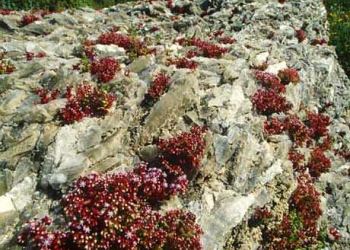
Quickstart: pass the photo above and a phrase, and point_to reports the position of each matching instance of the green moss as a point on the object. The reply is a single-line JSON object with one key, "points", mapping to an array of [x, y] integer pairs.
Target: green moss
{"points": [[339, 20], [56, 4]]}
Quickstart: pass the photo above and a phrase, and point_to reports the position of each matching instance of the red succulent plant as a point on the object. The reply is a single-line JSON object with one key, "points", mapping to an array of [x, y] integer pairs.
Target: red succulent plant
{"points": [[115, 211], [289, 75], [105, 69], [183, 63], [268, 102], [88, 101], [28, 19]]}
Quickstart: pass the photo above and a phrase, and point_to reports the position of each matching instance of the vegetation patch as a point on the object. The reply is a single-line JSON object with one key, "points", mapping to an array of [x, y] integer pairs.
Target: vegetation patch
{"points": [[56, 4], [339, 21]]}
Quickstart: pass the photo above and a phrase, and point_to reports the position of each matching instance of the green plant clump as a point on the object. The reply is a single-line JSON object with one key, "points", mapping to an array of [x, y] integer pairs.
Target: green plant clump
{"points": [[339, 20], [56, 4]]}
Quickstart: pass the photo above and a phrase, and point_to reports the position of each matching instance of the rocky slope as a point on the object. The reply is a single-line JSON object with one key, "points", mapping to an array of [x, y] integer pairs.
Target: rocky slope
{"points": [[244, 168]]}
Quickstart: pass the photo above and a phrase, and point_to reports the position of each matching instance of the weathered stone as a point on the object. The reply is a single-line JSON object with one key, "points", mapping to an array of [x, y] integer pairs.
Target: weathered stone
{"points": [[140, 64]]}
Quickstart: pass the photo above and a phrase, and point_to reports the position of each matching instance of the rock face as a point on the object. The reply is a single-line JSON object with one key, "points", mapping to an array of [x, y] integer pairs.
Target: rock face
{"points": [[242, 169]]}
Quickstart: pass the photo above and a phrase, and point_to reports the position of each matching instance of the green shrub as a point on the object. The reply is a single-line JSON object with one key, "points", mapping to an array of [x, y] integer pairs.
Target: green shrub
{"points": [[339, 20], [55, 4]]}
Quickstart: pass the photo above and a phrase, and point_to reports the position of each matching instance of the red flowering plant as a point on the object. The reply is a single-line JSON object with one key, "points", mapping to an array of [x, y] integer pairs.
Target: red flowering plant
{"points": [[267, 102], [318, 41], [28, 19], [274, 126], [191, 53], [180, 157], [297, 130], [106, 212], [134, 46], [334, 234], [319, 163], [158, 87], [306, 201], [5, 12], [297, 160], [301, 35], [30, 55], [46, 96], [116, 211], [205, 49], [299, 228], [227, 40], [179, 160], [88, 101], [289, 75], [183, 63], [260, 215], [269, 81], [318, 124], [105, 69], [6, 67]]}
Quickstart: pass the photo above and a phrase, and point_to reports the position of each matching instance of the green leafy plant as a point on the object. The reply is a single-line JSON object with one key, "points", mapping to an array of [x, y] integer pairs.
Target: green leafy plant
{"points": [[56, 4], [339, 20]]}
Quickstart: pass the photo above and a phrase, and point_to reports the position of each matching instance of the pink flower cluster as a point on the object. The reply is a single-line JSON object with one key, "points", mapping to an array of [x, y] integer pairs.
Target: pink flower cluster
{"points": [[119, 211], [88, 101]]}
